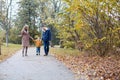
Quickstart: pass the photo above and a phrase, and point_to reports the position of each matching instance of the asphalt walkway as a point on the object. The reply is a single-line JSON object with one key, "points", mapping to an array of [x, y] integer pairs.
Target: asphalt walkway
{"points": [[34, 67]]}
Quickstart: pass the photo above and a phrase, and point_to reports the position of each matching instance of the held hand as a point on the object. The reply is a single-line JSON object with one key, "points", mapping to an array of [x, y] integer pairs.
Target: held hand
{"points": [[31, 38]]}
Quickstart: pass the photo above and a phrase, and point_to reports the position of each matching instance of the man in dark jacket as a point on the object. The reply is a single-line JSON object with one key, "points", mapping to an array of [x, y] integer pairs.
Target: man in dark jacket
{"points": [[46, 37]]}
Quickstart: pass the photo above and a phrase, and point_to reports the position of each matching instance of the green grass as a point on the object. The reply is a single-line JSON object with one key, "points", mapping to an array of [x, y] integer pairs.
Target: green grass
{"points": [[8, 51], [65, 52]]}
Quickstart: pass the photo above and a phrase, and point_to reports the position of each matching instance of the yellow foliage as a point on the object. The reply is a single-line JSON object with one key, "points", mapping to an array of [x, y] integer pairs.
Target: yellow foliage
{"points": [[78, 26]]}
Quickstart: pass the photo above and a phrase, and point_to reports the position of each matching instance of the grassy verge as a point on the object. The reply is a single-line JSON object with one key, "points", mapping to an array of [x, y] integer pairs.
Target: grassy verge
{"points": [[89, 67], [64, 52], [8, 51]]}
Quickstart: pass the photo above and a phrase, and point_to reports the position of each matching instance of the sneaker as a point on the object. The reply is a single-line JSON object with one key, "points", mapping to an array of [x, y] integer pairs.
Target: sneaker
{"points": [[36, 54]]}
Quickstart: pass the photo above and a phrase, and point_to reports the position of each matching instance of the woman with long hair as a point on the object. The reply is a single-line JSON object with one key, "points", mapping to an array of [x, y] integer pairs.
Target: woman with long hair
{"points": [[25, 39]]}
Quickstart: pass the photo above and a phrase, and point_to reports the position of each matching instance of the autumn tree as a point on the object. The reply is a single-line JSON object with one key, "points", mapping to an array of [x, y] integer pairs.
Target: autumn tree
{"points": [[92, 22]]}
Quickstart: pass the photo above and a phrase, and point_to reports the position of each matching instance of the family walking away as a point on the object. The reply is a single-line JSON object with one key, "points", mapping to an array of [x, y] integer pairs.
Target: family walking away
{"points": [[46, 38]]}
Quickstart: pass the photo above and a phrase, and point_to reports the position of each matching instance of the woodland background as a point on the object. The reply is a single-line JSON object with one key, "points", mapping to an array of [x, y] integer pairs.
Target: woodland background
{"points": [[90, 26]]}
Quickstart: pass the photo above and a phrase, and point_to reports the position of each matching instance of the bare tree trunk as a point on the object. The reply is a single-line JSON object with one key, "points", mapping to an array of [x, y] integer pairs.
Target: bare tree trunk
{"points": [[7, 38], [8, 21]]}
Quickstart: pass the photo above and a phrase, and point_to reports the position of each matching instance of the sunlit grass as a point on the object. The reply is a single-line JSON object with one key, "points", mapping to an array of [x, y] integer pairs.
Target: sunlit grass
{"points": [[8, 51], [66, 52]]}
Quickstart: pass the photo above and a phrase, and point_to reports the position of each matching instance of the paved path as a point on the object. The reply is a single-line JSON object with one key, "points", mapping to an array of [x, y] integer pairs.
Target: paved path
{"points": [[34, 67]]}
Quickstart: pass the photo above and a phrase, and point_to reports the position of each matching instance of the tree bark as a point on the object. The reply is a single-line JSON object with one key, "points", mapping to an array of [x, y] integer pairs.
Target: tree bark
{"points": [[7, 38]]}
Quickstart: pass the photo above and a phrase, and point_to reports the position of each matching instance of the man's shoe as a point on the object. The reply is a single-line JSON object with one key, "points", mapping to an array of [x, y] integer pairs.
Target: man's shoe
{"points": [[45, 55], [36, 54]]}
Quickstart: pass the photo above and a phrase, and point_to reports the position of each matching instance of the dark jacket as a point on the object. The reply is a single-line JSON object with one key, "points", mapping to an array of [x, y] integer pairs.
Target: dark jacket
{"points": [[46, 36]]}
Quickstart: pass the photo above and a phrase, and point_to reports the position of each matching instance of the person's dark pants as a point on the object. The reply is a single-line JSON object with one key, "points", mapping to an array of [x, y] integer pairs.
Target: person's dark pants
{"points": [[46, 47], [38, 50]]}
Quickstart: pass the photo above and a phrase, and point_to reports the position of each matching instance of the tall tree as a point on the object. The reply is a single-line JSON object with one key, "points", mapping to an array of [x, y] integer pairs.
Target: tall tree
{"points": [[28, 15], [5, 15]]}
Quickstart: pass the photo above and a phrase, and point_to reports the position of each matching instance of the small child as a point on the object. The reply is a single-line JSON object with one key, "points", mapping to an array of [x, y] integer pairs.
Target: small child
{"points": [[38, 43]]}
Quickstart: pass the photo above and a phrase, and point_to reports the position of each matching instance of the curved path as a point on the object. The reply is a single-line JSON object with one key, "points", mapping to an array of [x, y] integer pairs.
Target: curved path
{"points": [[34, 67]]}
